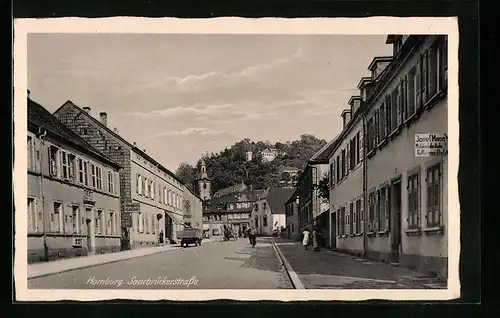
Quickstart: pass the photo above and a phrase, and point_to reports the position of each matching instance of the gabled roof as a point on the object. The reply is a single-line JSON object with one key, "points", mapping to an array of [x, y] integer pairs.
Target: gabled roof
{"points": [[276, 198], [293, 197], [40, 117], [323, 155], [114, 134]]}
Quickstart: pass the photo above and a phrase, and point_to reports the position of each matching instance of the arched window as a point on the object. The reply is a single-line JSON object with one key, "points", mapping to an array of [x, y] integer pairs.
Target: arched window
{"points": [[204, 186], [202, 168]]}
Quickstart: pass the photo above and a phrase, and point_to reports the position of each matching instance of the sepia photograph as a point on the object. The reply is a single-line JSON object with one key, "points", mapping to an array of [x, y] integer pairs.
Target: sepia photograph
{"points": [[237, 162]]}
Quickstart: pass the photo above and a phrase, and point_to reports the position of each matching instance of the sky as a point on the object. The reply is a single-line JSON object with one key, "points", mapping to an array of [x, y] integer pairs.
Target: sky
{"points": [[181, 95]]}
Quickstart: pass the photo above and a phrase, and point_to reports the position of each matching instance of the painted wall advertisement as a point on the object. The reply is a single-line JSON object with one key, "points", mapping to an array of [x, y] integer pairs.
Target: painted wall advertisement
{"points": [[427, 145]]}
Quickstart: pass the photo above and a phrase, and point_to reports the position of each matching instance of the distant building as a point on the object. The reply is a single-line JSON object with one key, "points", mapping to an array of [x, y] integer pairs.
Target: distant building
{"points": [[269, 154], [203, 183], [73, 192], [232, 189], [268, 215], [249, 155], [231, 211], [292, 216], [291, 181], [151, 195], [193, 209]]}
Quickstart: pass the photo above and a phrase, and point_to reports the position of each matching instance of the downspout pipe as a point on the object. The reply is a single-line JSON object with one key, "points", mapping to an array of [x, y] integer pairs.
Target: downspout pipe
{"points": [[42, 133], [365, 188]]}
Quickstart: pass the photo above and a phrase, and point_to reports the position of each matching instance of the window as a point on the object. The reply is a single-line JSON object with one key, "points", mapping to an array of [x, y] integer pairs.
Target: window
{"points": [[94, 175], [352, 154], [371, 212], [54, 161], [384, 209], [433, 70], [140, 222], [342, 221], [75, 218], [358, 228], [204, 186], [331, 175], [111, 223], [413, 201], [394, 109], [99, 177], [256, 219], [376, 125], [143, 186], [170, 198], [146, 223], [31, 162], [81, 171], [264, 221], [434, 196], [99, 223], [65, 165], [371, 135], [137, 183], [85, 173], [56, 218], [264, 206], [32, 219], [382, 123], [111, 184], [153, 190]]}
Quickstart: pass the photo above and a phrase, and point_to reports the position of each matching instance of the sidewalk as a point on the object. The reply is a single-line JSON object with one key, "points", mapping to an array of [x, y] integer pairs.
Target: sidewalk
{"points": [[327, 269], [59, 266]]}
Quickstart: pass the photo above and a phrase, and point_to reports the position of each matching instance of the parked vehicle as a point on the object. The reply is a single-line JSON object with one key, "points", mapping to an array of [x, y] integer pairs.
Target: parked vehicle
{"points": [[191, 236]]}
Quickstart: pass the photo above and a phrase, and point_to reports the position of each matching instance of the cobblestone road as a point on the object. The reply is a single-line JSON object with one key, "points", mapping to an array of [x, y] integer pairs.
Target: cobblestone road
{"points": [[223, 265]]}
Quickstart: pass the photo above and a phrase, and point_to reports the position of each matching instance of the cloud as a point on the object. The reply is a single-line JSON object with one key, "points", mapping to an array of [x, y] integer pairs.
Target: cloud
{"points": [[193, 131], [194, 110]]}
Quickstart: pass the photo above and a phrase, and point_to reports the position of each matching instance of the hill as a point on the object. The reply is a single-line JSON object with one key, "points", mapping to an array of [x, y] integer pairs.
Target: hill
{"points": [[230, 167]]}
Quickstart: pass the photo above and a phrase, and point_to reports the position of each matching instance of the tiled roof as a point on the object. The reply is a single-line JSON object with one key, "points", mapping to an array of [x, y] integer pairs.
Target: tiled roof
{"points": [[293, 197], [244, 196], [114, 134], [235, 188], [40, 117], [277, 197]]}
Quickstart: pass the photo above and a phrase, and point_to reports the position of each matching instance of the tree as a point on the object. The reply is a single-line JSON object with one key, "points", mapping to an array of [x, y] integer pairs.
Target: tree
{"points": [[186, 173], [285, 176], [324, 189]]}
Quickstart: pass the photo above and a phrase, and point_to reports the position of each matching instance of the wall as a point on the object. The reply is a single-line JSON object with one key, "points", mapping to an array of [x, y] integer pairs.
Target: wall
{"points": [[280, 219], [195, 209], [424, 249], [69, 194], [292, 222], [348, 189]]}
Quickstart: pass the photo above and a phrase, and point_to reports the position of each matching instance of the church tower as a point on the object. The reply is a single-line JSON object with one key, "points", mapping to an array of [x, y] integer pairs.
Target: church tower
{"points": [[203, 182]]}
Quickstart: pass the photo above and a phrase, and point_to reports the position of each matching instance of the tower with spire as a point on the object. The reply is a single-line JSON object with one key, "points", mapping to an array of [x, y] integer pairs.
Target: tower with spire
{"points": [[203, 182]]}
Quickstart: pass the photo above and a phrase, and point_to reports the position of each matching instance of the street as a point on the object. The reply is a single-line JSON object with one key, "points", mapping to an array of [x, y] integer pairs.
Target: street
{"points": [[220, 265]]}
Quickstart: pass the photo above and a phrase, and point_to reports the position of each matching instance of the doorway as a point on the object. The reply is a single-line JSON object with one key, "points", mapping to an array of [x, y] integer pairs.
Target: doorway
{"points": [[90, 232], [395, 199], [168, 228]]}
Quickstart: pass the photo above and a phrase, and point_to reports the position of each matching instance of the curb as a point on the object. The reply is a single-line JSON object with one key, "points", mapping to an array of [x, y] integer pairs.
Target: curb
{"points": [[104, 262], [294, 278]]}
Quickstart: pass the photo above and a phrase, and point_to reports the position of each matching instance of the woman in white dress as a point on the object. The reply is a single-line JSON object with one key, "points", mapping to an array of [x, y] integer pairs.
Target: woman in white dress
{"points": [[305, 238]]}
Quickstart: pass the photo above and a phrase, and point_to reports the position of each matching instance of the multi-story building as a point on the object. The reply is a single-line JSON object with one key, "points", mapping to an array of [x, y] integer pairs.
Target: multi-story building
{"points": [[151, 195], [193, 209], [231, 211], [232, 189], [269, 154], [403, 213], [292, 216], [269, 211], [73, 192]]}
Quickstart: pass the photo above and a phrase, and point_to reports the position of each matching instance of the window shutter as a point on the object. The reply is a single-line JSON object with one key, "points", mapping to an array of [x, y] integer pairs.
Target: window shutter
{"points": [[418, 85], [404, 109], [71, 168], [361, 145], [354, 218], [417, 199], [348, 158], [362, 217], [377, 210], [399, 105], [444, 63], [425, 76]]}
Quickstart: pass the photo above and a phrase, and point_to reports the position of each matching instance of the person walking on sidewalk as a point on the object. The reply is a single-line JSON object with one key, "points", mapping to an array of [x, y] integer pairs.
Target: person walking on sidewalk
{"points": [[305, 238], [315, 239]]}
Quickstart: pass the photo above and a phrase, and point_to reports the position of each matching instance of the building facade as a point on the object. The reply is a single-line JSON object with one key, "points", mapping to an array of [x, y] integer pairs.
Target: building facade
{"points": [[404, 193], [269, 154], [292, 216], [73, 192], [193, 209], [269, 215], [150, 194], [231, 211], [202, 183]]}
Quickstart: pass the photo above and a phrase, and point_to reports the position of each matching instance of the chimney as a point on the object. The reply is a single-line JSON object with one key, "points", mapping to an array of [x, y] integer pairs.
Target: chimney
{"points": [[29, 93], [346, 115], [104, 118], [87, 110], [115, 130], [135, 144]]}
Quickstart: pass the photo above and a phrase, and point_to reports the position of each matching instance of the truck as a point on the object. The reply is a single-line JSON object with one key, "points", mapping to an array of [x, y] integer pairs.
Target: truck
{"points": [[190, 236]]}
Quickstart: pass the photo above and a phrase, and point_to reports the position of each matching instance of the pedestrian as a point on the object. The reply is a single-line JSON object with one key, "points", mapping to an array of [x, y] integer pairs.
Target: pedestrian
{"points": [[305, 238], [251, 236], [315, 239]]}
